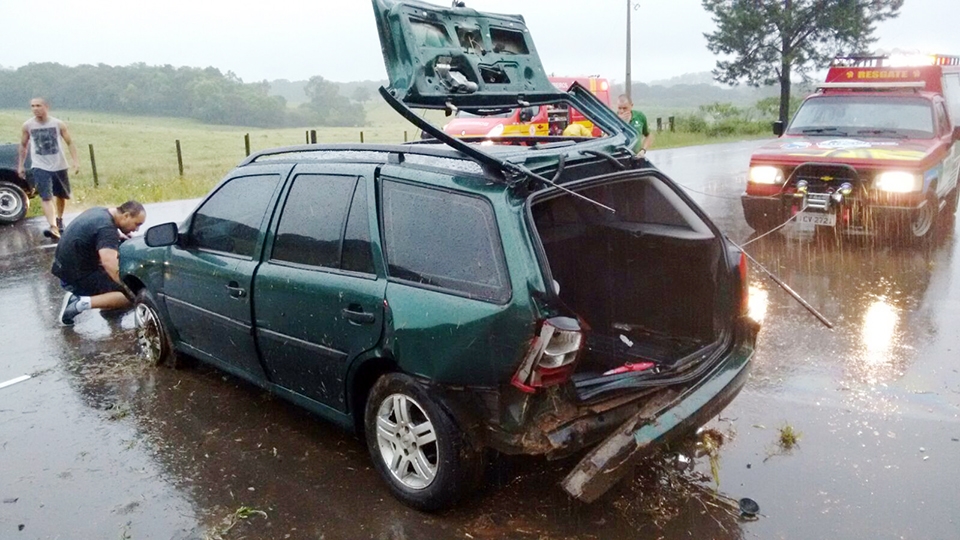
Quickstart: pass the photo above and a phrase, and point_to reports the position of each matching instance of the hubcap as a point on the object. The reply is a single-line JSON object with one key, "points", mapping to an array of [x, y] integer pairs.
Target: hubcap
{"points": [[407, 441], [924, 219], [149, 333], [10, 202]]}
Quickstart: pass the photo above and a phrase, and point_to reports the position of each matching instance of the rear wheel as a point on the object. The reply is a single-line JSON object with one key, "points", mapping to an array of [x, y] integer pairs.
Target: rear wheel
{"points": [[153, 337], [13, 202], [425, 458]]}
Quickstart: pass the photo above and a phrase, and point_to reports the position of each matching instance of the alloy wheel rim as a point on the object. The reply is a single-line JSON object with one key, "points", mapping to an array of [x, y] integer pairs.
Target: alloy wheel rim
{"points": [[407, 441], [149, 333]]}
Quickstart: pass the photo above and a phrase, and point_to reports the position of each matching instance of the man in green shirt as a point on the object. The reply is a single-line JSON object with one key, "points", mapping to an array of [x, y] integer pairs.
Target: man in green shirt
{"points": [[636, 119]]}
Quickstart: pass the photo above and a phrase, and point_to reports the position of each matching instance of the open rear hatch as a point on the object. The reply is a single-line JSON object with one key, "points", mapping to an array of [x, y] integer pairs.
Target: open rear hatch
{"points": [[654, 287], [648, 280]]}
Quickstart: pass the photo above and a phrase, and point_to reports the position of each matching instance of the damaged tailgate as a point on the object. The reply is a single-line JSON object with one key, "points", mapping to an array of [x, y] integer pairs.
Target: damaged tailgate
{"points": [[671, 414]]}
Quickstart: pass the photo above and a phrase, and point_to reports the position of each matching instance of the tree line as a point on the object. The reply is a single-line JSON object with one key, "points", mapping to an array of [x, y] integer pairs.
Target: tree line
{"points": [[204, 94]]}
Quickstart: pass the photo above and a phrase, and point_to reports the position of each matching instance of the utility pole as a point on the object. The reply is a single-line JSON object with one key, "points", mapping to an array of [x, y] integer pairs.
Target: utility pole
{"points": [[626, 86]]}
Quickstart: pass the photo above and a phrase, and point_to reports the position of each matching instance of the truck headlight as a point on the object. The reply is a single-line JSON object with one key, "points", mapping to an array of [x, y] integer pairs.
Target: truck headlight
{"points": [[898, 182], [765, 174], [495, 131]]}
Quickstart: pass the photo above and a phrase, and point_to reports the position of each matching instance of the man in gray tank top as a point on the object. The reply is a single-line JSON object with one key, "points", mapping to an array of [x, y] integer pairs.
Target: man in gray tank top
{"points": [[49, 167]]}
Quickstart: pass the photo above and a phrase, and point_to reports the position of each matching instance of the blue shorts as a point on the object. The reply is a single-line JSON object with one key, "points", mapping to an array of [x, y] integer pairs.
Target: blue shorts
{"points": [[51, 183]]}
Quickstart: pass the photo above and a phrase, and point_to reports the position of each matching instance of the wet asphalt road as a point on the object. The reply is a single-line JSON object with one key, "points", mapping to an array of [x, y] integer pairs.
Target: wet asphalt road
{"points": [[95, 446]]}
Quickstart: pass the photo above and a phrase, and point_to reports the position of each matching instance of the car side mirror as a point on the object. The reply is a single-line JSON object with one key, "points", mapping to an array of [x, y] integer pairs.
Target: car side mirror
{"points": [[956, 134], [166, 234], [778, 128]]}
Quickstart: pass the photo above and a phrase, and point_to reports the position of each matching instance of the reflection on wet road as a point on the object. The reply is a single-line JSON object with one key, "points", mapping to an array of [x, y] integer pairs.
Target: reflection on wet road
{"points": [[96, 446]]}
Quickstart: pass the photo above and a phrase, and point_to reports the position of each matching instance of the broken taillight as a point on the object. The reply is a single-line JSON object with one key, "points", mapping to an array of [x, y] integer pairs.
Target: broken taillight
{"points": [[552, 356]]}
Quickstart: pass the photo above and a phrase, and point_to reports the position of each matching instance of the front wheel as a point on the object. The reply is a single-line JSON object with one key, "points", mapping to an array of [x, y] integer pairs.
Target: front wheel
{"points": [[426, 459], [153, 336], [13, 202], [922, 226]]}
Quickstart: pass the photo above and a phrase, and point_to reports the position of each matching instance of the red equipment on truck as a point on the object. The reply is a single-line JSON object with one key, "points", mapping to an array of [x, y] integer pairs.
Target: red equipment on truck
{"points": [[875, 149], [530, 121]]}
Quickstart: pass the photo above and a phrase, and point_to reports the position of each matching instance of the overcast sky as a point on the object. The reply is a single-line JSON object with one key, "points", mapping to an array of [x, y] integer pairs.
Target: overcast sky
{"points": [[295, 39]]}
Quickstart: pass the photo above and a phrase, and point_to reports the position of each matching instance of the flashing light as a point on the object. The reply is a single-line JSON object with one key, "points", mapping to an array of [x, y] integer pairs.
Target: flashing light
{"points": [[898, 182], [604, 86], [765, 174]]}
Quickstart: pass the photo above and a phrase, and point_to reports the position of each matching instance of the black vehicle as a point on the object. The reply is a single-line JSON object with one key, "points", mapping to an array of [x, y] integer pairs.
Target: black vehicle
{"points": [[15, 192]]}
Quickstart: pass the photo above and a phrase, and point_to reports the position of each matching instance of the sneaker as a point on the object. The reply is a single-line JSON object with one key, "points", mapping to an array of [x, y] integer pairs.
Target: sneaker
{"points": [[68, 309], [60, 224], [52, 233]]}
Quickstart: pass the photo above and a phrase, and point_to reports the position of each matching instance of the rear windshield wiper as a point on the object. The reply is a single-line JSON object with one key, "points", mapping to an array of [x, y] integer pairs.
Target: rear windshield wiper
{"points": [[825, 130], [882, 132]]}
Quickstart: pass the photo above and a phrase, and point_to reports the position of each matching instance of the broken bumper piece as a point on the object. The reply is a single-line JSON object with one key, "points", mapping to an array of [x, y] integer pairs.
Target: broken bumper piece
{"points": [[657, 424]]}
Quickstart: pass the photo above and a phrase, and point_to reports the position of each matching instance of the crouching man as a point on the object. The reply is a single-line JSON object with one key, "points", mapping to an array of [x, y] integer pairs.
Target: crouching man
{"points": [[87, 260]]}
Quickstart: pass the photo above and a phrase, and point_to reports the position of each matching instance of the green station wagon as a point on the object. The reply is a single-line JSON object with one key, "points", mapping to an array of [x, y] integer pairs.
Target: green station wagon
{"points": [[537, 295]]}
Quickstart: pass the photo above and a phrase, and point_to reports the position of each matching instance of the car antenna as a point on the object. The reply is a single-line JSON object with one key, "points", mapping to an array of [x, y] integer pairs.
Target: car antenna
{"points": [[826, 322]]}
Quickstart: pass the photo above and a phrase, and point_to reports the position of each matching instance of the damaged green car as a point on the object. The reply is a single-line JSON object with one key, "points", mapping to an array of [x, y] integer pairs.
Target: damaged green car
{"points": [[531, 295]]}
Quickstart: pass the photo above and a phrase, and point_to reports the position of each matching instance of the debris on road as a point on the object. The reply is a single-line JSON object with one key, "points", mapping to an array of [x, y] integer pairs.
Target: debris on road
{"points": [[12, 382]]}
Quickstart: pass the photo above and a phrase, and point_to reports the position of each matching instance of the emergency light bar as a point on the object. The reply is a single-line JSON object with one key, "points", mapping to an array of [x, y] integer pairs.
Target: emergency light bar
{"points": [[896, 60], [869, 86]]}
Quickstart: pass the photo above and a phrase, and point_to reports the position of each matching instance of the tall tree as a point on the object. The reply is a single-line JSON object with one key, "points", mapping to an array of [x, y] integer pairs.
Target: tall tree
{"points": [[770, 40]]}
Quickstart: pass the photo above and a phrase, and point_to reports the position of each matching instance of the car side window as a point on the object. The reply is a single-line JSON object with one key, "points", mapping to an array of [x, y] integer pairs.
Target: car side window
{"points": [[229, 221], [445, 240], [357, 253], [312, 224]]}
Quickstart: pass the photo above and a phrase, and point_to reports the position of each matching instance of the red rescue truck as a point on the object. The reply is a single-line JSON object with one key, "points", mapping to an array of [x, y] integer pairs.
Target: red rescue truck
{"points": [[530, 121], [874, 150]]}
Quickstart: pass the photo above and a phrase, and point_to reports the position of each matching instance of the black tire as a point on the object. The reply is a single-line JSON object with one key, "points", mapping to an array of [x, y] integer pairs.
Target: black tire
{"points": [[456, 462], [923, 223], [13, 202], [153, 335]]}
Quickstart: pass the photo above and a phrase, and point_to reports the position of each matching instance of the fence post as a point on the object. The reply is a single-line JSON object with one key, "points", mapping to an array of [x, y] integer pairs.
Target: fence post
{"points": [[306, 136], [246, 143], [361, 137], [313, 136], [671, 120], [93, 165], [179, 158], [659, 124], [404, 135]]}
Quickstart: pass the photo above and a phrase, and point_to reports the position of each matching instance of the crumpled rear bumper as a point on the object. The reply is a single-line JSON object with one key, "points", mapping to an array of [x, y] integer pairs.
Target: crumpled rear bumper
{"points": [[658, 422]]}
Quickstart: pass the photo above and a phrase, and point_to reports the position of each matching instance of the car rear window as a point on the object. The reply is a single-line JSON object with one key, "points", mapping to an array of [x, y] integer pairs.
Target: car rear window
{"points": [[443, 240]]}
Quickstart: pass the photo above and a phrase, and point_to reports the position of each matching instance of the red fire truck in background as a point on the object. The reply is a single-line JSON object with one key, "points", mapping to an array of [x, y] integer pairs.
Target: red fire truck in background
{"points": [[875, 149], [530, 121]]}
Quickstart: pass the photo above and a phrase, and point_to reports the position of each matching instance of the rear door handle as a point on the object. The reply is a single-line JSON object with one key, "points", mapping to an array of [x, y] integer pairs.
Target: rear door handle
{"points": [[236, 290], [359, 316]]}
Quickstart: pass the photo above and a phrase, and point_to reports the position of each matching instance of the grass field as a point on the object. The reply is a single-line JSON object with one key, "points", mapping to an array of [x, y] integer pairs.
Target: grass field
{"points": [[136, 155]]}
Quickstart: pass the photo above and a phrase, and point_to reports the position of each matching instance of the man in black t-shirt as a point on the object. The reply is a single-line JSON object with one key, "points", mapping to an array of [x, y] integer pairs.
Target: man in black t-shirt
{"points": [[88, 262]]}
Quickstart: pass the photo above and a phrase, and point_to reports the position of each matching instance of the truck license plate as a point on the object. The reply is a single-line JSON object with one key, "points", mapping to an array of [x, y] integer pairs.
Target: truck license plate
{"points": [[826, 220]]}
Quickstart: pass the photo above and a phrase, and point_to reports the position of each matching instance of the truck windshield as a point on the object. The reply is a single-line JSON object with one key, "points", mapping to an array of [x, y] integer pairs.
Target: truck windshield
{"points": [[876, 116]]}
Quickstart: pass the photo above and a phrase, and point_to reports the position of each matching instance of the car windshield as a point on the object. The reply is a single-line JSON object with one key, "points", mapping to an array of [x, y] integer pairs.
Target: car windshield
{"points": [[851, 115]]}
